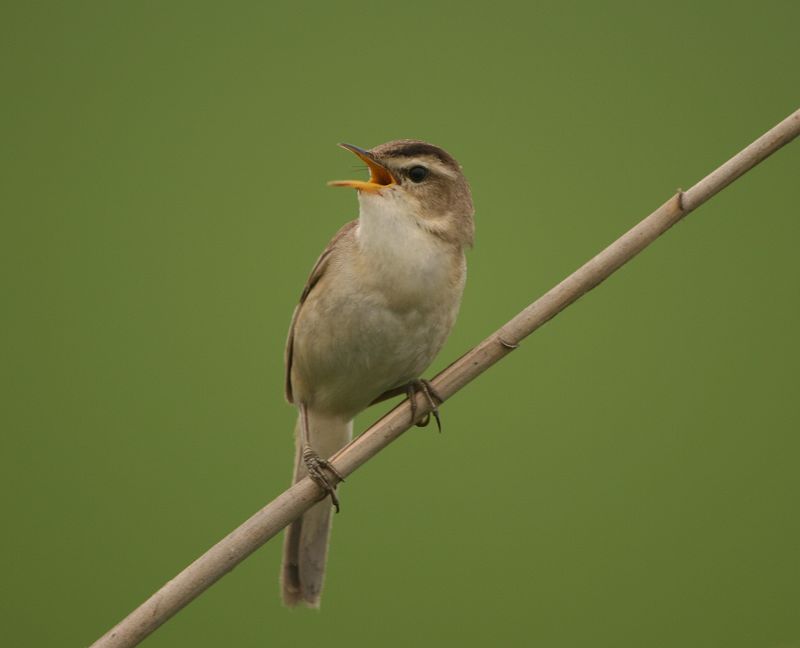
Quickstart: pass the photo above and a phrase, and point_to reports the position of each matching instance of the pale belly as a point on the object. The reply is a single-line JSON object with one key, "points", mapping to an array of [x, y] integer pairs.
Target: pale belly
{"points": [[350, 348]]}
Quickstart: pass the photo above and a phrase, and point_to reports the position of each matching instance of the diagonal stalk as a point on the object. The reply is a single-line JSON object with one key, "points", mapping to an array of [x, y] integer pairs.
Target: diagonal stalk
{"points": [[292, 503]]}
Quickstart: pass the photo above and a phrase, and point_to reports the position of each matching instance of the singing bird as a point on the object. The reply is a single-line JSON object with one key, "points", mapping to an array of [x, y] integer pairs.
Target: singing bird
{"points": [[375, 311]]}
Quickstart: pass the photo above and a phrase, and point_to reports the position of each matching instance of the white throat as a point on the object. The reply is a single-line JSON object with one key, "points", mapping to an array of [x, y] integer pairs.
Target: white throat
{"points": [[407, 255]]}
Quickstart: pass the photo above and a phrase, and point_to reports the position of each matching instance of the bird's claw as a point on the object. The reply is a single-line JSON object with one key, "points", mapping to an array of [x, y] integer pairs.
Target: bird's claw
{"points": [[314, 465], [433, 398]]}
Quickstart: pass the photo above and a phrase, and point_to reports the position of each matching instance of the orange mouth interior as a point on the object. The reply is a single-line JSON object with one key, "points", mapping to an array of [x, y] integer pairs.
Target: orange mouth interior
{"points": [[379, 176]]}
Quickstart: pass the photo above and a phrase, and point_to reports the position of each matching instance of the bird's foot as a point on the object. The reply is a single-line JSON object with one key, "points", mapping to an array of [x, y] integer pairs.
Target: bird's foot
{"points": [[433, 398], [315, 465]]}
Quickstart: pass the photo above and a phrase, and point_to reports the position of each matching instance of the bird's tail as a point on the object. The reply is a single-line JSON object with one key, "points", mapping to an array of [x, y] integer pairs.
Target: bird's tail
{"points": [[305, 545]]}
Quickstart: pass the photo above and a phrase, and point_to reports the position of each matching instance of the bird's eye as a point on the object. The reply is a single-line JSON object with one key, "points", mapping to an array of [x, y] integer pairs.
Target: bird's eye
{"points": [[417, 173]]}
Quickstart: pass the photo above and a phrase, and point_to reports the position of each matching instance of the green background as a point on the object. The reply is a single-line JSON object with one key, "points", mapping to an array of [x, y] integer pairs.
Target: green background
{"points": [[628, 478]]}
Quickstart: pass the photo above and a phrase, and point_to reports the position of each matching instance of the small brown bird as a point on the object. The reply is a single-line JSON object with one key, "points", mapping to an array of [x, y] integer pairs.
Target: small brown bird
{"points": [[375, 311]]}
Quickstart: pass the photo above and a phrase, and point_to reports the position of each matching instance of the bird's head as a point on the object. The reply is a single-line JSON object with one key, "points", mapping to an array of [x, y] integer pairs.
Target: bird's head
{"points": [[423, 181]]}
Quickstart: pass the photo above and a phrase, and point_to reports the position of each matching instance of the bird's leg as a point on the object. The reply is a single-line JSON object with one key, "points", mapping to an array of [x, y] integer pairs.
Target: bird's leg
{"points": [[314, 463]]}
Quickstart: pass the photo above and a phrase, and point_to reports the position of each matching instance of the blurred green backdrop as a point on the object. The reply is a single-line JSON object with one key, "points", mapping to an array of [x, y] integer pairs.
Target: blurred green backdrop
{"points": [[628, 478]]}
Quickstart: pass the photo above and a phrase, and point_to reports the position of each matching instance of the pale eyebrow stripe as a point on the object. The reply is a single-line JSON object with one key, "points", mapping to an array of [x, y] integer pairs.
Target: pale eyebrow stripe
{"points": [[431, 163]]}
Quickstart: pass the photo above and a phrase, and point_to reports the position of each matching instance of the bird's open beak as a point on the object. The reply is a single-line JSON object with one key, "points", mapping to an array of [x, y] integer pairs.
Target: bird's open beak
{"points": [[379, 176]]}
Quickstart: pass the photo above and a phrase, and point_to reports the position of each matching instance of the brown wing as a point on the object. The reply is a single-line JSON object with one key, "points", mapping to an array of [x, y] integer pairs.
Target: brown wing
{"points": [[316, 274]]}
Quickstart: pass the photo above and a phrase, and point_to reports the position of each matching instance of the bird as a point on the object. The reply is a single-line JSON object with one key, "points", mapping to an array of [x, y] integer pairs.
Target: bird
{"points": [[375, 311]]}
